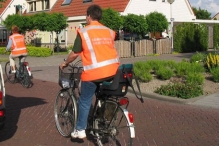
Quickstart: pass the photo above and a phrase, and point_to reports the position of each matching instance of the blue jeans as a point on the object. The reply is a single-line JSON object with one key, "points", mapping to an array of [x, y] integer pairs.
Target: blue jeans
{"points": [[84, 104]]}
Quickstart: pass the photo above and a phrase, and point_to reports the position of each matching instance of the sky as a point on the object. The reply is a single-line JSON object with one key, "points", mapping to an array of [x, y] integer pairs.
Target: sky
{"points": [[211, 6]]}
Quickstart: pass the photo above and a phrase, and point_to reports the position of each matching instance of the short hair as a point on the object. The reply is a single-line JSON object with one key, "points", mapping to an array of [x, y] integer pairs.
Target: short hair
{"points": [[14, 28], [95, 12]]}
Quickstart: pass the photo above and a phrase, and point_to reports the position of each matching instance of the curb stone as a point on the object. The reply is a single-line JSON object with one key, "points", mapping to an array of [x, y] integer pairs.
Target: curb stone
{"points": [[167, 98]]}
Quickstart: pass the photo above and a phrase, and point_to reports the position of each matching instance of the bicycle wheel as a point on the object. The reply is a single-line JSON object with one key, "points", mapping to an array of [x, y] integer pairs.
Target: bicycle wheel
{"points": [[65, 111], [25, 78], [10, 76], [117, 133]]}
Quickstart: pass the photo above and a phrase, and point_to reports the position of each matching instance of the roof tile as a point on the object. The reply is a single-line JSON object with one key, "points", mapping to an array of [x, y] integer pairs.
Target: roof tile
{"points": [[4, 5], [78, 8]]}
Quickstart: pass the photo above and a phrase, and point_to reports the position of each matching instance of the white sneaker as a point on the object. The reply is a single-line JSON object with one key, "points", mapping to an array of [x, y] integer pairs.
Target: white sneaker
{"points": [[13, 71], [78, 134]]}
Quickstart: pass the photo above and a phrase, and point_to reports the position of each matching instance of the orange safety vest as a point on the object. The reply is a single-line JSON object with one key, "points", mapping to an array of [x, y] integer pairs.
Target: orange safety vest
{"points": [[18, 45], [99, 56]]}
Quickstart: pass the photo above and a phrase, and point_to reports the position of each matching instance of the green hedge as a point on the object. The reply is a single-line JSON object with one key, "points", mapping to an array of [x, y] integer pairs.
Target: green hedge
{"points": [[33, 51], [216, 36], [190, 37]]}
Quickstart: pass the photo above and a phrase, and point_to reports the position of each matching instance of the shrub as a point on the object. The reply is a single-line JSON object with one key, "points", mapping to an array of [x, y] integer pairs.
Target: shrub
{"points": [[164, 73], [196, 68], [182, 68], [215, 74], [195, 78], [39, 52], [156, 64], [142, 71], [190, 37], [198, 57], [171, 64], [180, 90], [33, 51], [146, 77]]}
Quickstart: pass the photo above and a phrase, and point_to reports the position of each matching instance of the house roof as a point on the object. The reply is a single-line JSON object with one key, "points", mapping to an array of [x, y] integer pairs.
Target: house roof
{"points": [[4, 6], [216, 16], [78, 8]]}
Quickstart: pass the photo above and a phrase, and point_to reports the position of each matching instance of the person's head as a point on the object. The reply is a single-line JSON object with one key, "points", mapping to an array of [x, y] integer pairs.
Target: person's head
{"points": [[94, 13], [14, 29]]}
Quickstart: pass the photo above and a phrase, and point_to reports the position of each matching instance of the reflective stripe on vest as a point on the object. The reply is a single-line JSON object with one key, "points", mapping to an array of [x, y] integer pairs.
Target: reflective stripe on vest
{"points": [[96, 64]]}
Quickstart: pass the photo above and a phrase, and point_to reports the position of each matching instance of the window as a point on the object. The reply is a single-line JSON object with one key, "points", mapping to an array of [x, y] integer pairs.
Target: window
{"points": [[47, 5], [66, 2], [18, 9], [42, 2], [32, 6], [86, 1], [163, 0]]}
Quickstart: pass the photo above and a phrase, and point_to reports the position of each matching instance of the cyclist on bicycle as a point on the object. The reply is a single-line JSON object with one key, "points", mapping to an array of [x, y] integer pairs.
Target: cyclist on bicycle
{"points": [[95, 45], [18, 48]]}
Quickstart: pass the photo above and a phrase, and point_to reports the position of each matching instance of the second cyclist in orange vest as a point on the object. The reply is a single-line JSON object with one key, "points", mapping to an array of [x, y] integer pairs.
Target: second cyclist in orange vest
{"points": [[18, 48], [95, 45]]}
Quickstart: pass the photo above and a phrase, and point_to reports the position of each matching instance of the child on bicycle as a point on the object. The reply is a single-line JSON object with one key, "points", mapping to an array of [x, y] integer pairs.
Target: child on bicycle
{"points": [[95, 45], [18, 48]]}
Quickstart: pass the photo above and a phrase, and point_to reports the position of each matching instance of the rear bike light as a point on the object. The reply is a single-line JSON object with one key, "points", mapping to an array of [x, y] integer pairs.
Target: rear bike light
{"points": [[2, 113], [131, 118], [123, 101], [129, 74], [1, 97], [28, 69], [25, 63]]}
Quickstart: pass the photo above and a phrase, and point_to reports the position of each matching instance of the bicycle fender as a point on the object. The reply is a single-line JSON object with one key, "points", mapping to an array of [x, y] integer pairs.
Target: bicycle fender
{"points": [[131, 125], [28, 69]]}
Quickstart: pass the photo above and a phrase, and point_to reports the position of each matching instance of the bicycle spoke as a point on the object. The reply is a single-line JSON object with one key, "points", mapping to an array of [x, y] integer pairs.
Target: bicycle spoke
{"points": [[65, 113], [11, 77], [118, 132]]}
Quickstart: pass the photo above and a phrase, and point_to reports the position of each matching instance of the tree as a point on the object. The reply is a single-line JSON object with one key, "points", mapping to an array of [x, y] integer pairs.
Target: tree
{"points": [[201, 13], [111, 19], [50, 22], [23, 22], [157, 22], [135, 24]]}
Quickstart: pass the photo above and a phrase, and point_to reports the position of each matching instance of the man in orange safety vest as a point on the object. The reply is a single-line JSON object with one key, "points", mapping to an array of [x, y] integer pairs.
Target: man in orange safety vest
{"points": [[95, 45]]}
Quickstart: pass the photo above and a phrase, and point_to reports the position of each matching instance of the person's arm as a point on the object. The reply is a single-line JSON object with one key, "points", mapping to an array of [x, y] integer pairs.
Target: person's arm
{"points": [[77, 48], [9, 45], [71, 57]]}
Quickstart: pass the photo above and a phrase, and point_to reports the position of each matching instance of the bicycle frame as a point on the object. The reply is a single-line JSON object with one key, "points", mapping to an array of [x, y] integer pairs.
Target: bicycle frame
{"points": [[120, 105], [109, 117]]}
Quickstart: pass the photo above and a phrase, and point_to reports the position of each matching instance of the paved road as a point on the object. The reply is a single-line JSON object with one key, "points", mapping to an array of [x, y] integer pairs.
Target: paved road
{"points": [[30, 120]]}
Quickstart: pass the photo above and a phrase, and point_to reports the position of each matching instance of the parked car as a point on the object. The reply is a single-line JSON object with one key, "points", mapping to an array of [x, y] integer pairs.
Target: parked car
{"points": [[2, 100], [128, 36]]}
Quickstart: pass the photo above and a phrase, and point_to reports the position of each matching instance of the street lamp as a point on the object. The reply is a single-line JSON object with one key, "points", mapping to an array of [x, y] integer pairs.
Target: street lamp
{"points": [[171, 20]]}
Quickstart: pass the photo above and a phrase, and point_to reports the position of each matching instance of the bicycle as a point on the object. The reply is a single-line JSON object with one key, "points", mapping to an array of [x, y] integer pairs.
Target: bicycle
{"points": [[23, 74], [110, 121]]}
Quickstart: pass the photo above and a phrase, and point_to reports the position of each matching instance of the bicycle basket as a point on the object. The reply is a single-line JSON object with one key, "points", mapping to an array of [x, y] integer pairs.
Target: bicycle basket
{"points": [[65, 78], [68, 75]]}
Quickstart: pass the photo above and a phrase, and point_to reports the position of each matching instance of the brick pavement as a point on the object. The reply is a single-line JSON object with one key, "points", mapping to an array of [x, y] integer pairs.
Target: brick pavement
{"points": [[30, 120]]}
